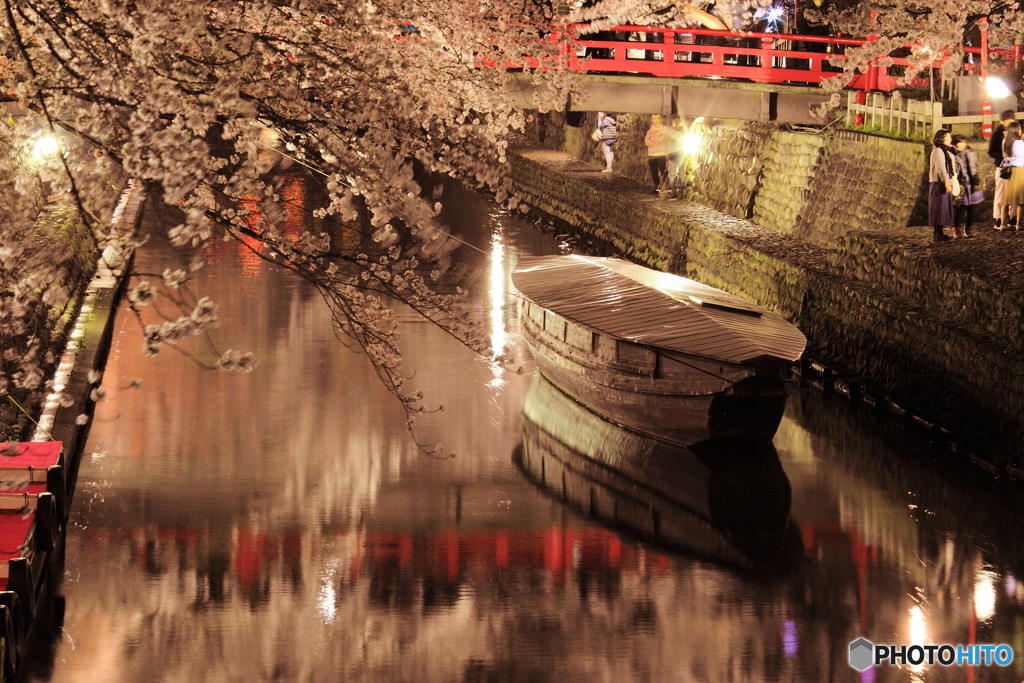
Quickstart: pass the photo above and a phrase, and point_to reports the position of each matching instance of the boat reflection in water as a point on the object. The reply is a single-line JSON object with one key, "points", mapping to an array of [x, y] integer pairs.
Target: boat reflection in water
{"points": [[726, 501]]}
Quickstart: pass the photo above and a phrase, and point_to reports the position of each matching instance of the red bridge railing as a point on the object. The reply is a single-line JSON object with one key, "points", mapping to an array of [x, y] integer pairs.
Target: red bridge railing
{"points": [[760, 57]]}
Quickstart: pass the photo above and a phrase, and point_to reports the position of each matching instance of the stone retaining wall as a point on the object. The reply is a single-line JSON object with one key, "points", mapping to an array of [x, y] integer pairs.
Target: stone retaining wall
{"points": [[938, 284], [950, 374], [568, 189], [727, 169], [790, 170], [813, 185], [864, 183]]}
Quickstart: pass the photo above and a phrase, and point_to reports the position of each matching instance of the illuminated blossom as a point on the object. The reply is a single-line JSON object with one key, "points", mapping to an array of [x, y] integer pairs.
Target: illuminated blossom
{"points": [[205, 101], [174, 278], [143, 294]]}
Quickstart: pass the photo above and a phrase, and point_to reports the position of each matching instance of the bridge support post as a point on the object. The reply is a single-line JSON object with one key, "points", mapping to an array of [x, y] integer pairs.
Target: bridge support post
{"points": [[986, 104], [767, 48]]}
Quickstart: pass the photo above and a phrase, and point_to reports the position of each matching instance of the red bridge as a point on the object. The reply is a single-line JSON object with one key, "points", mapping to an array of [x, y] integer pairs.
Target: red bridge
{"points": [[777, 58]]}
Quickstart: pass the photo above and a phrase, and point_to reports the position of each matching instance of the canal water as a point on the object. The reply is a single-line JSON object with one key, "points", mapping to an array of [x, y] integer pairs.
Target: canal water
{"points": [[283, 525]]}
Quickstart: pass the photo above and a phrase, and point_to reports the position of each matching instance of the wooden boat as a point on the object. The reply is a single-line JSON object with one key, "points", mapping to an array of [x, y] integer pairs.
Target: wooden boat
{"points": [[724, 502], [655, 352]]}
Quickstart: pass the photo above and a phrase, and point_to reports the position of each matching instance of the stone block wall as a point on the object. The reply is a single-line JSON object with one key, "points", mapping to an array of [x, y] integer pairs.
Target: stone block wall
{"points": [[937, 283], [790, 167], [566, 189], [914, 348], [726, 171], [863, 182], [813, 185]]}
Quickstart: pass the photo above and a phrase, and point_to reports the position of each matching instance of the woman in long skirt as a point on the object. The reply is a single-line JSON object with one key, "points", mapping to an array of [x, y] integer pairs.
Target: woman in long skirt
{"points": [[1013, 187], [940, 189]]}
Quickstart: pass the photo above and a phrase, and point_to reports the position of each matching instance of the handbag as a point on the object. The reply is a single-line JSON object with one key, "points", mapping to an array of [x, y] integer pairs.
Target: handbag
{"points": [[954, 184], [976, 197], [1006, 168], [596, 135]]}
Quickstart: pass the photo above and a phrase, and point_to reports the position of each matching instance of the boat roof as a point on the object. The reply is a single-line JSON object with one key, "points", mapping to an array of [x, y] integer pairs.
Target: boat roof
{"points": [[644, 306]]}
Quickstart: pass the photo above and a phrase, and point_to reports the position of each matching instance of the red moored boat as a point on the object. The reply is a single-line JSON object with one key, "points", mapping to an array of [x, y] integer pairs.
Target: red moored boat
{"points": [[33, 498]]}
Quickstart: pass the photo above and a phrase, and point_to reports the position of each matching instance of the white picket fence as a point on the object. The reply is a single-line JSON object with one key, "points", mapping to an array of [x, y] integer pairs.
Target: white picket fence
{"points": [[906, 118]]}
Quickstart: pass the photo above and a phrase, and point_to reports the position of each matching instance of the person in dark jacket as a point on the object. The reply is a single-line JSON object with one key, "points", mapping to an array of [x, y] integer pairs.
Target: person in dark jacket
{"points": [[995, 150], [970, 195]]}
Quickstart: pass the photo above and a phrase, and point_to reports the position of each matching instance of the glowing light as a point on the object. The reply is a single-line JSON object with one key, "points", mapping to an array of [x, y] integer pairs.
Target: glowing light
{"points": [[790, 638], [326, 600], [499, 335], [984, 594], [45, 146], [1010, 582], [918, 632], [775, 13], [996, 88], [691, 143]]}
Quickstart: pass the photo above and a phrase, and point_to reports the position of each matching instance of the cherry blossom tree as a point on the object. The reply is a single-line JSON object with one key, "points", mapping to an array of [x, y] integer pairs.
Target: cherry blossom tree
{"points": [[931, 33], [733, 15], [188, 97]]}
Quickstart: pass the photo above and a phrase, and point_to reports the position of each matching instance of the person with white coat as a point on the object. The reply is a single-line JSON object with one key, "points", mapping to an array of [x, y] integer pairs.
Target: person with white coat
{"points": [[609, 133]]}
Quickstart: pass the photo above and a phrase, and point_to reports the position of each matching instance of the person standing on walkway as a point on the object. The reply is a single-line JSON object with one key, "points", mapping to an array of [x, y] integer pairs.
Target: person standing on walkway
{"points": [[1013, 187], [606, 126], [676, 157], [971, 195], [995, 151], [941, 176], [657, 141]]}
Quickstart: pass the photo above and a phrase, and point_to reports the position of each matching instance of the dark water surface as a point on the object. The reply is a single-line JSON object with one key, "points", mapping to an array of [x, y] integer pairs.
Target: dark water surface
{"points": [[283, 526]]}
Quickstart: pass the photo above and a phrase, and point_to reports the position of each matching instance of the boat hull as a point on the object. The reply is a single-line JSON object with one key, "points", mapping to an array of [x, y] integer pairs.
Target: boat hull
{"points": [[736, 402]]}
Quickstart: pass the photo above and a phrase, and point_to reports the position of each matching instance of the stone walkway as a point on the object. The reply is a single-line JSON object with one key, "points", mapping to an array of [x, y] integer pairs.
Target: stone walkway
{"points": [[994, 256]]}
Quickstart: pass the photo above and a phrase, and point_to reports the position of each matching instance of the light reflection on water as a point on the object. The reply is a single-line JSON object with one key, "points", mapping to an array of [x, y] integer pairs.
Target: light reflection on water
{"points": [[283, 526]]}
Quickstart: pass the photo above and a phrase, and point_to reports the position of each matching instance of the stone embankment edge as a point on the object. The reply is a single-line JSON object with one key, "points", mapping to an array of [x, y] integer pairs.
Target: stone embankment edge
{"points": [[89, 342], [875, 334]]}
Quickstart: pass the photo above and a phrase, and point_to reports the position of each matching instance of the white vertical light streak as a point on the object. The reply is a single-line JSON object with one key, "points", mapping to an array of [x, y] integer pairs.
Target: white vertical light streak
{"points": [[918, 634], [326, 602], [984, 594], [498, 291]]}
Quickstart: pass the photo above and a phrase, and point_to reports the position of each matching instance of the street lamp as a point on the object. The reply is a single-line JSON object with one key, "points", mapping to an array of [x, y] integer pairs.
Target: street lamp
{"points": [[44, 147], [996, 88], [691, 143]]}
